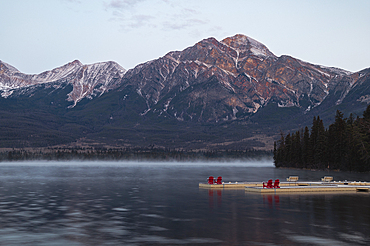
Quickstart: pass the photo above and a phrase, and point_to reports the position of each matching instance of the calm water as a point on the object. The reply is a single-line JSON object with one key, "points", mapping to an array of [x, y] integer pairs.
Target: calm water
{"points": [[138, 203]]}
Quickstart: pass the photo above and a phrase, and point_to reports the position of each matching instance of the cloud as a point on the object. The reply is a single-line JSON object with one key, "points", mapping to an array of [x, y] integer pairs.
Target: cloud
{"points": [[161, 14], [182, 24], [71, 1], [127, 13], [122, 4], [138, 21]]}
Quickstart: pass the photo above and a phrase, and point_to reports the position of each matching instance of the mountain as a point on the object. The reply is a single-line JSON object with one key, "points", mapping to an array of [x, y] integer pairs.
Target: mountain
{"points": [[86, 80], [248, 76], [229, 94]]}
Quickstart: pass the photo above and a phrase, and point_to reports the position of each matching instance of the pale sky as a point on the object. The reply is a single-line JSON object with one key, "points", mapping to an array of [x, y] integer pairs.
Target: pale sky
{"points": [[39, 35]]}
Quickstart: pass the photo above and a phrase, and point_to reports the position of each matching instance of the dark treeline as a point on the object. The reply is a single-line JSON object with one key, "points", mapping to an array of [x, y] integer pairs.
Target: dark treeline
{"points": [[160, 154], [345, 145]]}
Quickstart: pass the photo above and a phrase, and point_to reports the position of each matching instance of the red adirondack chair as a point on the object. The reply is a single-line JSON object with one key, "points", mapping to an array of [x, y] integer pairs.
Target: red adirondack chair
{"points": [[219, 180], [276, 183], [211, 180], [268, 184]]}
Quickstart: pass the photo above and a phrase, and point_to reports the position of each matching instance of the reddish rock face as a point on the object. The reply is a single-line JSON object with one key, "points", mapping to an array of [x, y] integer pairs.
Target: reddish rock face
{"points": [[247, 75]]}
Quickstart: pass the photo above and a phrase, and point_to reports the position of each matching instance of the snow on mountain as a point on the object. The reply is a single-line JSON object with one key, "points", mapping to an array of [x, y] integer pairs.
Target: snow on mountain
{"points": [[87, 80], [94, 79], [6, 67], [243, 43]]}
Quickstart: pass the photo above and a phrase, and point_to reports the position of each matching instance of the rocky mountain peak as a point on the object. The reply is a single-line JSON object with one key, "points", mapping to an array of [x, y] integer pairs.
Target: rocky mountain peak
{"points": [[104, 65], [5, 67], [241, 76], [243, 43], [76, 62], [94, 79], [87, 80]]}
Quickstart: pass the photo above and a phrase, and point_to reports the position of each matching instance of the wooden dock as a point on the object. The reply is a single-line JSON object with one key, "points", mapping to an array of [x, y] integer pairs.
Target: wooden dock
{"points": [[230, 185], [242, 185], [312, 188], [294, 187]]}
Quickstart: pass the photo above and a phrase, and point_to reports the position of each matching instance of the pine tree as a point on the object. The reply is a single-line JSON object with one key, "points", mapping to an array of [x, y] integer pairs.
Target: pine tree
{"points": [[288, 150], [362, 138], [306, 147], [339, 130], [296, 149], [320, 149], [345, 145], [352, 157], [275, 153], [366, 114], [280, 152], [313, 142]]}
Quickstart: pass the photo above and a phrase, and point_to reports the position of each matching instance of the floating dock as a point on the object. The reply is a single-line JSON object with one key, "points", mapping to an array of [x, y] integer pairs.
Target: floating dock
{"points": [[295, 186], [312, 188], [242, 185], [230, 185]]}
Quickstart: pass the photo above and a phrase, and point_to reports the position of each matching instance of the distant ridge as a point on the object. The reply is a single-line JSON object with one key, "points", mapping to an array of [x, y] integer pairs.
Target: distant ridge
{"points": [[229, 94], [86, 79]]}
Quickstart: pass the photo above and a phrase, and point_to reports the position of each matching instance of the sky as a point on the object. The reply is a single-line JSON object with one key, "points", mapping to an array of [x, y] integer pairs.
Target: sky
{"points": [[39, 35]]}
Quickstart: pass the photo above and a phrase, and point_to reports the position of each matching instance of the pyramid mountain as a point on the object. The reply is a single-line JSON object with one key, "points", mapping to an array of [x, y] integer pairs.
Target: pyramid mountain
{"points": [[229, 94]]}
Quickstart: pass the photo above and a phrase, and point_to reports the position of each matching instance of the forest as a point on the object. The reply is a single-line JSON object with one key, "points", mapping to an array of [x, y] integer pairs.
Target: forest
{"points": [[344, 146], [137, 154]]}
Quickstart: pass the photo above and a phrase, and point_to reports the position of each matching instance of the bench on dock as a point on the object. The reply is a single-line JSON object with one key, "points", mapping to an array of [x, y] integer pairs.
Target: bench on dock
{"points": [[292, 179], [210, 180], [268, 184], [327, 179], [219, 180]]}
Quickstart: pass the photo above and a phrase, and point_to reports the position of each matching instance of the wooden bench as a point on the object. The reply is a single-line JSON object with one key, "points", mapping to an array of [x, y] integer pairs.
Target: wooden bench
{"points": [[327, 179], [292, 179]]}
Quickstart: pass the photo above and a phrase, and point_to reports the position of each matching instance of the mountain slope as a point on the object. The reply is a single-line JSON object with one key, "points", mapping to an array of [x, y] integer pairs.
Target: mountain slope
{"points": [[229, 94], [87, 80], [253, 76]]}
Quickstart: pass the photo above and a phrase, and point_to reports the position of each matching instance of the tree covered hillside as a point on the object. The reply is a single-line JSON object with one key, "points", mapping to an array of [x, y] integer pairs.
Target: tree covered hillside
{"points": [[345, 145]]}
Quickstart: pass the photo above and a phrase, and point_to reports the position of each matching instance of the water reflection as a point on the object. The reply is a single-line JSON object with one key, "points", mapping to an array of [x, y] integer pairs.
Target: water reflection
{"points": [[212, 198], [162, 204], [272, 200]]}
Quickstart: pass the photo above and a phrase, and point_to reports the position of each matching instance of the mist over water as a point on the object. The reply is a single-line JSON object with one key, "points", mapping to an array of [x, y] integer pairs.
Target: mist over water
{"points": [[160, 203], [266, 162]]}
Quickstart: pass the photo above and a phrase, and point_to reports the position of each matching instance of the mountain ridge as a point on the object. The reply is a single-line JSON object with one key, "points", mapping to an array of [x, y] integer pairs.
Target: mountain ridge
{"points": [[258, 79], [246, 50], [214, 94], [86, 79]]}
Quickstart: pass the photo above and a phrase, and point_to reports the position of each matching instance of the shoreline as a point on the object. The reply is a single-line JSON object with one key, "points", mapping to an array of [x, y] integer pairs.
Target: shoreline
{"points": [[156, 154]]}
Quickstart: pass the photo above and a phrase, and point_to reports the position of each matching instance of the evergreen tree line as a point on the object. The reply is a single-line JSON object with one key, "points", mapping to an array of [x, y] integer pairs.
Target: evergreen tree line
{"points": [[160, 154], [345, 145]]}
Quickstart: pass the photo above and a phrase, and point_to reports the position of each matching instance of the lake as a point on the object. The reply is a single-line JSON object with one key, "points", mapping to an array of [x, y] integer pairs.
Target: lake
{"points": [[160, 203]]}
